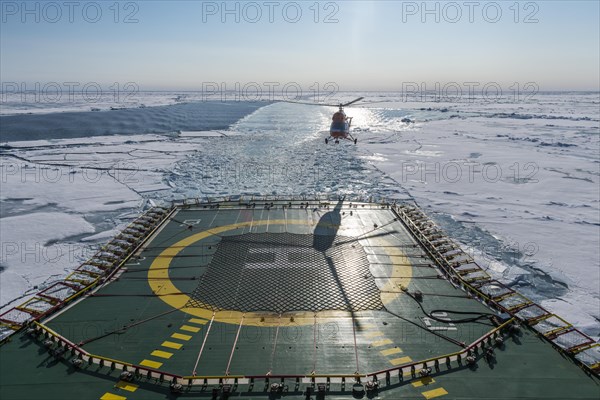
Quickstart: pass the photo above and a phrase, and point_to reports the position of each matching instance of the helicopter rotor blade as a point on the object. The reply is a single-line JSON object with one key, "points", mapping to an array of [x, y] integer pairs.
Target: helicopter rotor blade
{"points": [[322, 104], [309, 104], [352, 102]]}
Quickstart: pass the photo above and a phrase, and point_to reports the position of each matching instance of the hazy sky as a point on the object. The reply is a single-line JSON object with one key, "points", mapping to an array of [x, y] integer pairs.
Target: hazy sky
{"points": [[375, 45]]}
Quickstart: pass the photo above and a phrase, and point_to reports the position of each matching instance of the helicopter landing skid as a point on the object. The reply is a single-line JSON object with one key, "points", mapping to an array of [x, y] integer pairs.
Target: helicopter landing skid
{"points": [[337, 141]]}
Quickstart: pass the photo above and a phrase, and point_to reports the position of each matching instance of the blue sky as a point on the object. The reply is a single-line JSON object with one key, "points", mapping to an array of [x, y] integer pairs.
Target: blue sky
{"points": [[375, 45]]}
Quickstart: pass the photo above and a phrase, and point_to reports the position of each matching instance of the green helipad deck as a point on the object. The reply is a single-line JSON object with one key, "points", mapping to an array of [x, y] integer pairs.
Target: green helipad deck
{"points": [[288, 299]]}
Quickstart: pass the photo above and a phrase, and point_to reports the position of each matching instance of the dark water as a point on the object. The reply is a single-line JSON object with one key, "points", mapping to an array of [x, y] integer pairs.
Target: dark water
{"points": [[190, 116]]}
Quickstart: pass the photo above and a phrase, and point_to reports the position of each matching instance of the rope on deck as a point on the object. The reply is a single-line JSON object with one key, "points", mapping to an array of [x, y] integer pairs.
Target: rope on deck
{"points": [[237, 336], [315, 345], [275, 344], [203, 343], [126, 327], [449, 339], [355, 345]]}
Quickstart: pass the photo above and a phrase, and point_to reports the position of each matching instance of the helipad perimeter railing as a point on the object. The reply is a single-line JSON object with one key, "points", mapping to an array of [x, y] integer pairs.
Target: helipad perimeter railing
{"points": [[62, 347], [245, 199]]}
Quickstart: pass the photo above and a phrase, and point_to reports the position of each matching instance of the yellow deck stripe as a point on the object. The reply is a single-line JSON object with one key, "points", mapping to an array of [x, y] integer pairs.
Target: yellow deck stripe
{"points": [[431, 394], [171, 345], [198, 321], [423, 382], [161, 354], [401, 360], [389, 352], [110, 396], [181, 336], [380, 343], [367, 325], [151, 364], [373, 334], [190, 328], [130, 387]]}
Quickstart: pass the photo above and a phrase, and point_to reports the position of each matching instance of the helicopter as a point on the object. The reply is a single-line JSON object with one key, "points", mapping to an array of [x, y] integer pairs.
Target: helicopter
{"points": [[340, 124]]}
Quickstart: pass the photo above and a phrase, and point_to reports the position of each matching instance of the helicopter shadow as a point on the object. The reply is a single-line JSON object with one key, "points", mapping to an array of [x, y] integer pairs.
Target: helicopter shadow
{"points": [[324, 239], [327, 228]]}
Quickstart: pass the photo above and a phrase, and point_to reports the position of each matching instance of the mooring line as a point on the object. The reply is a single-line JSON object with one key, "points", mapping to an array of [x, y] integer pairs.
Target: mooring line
{"points": [[203, 343]]}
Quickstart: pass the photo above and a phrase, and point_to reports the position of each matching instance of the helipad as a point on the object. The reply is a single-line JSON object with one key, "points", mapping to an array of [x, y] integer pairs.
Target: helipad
{"points": [[294, 299]]}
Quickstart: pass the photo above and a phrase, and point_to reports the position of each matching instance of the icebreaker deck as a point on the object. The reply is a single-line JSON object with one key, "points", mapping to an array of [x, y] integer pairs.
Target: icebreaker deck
{"points": [[289, 298]]}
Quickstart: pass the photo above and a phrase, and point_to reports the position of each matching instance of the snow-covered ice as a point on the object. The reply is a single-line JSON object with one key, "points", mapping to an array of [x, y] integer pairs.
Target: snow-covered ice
{"points": [[37, 248]]}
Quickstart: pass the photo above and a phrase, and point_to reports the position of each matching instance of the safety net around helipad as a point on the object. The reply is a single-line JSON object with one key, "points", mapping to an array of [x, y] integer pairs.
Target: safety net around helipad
{"points": [[284, 272]]}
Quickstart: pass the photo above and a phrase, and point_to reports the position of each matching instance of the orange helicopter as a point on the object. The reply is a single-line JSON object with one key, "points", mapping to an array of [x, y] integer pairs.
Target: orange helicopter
{"points": [[340, 124]]}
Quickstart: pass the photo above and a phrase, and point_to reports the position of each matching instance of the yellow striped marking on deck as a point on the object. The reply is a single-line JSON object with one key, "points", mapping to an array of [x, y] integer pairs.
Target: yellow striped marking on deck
{"points": [[151, 364], [366, 325], [373, 334], [161, 354], [110, 396], [382, 342], [400, 360], [389, 352], [198, 321], [171, 345], [431, 394], [130, 387], [423, 382], [190, 328], [181, 336]]}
